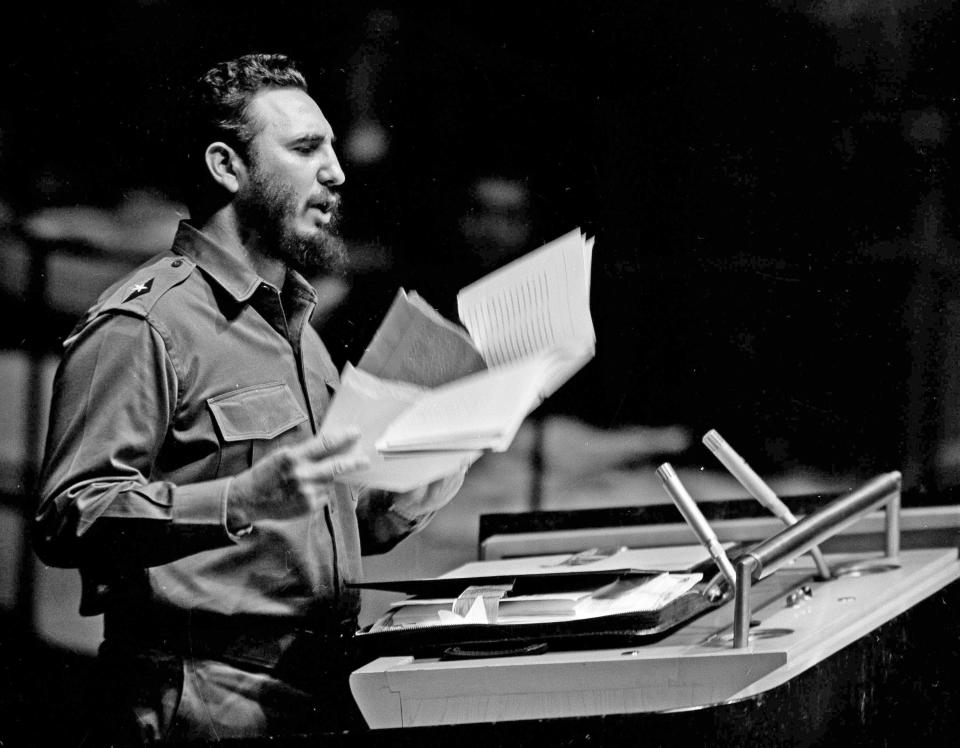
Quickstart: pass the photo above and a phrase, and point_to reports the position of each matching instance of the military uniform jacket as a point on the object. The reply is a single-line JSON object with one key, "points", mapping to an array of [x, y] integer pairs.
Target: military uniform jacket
{"points": [[181, 376]]}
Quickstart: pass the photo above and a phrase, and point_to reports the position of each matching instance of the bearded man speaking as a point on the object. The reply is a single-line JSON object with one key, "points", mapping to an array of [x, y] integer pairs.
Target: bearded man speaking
{"points": [[183, 474]]}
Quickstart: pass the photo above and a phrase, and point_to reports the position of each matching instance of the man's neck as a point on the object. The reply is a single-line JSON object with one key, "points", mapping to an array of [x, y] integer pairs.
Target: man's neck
{"points": [[224, 229]]}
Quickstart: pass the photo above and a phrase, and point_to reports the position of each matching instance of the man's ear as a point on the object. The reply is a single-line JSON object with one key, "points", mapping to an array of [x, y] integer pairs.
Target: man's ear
{"points": [[225, 165]]}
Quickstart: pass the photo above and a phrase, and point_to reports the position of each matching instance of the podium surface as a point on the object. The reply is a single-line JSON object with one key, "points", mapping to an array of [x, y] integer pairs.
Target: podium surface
{"points": [[695, 666], [871, 645]]}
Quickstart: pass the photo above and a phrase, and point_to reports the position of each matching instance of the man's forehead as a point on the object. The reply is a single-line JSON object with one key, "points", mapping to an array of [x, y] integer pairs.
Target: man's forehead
{"points": [[288, 112]]}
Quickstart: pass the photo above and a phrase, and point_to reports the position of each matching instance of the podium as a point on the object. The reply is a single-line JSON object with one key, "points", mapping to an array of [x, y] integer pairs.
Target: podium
{"points": [[870, 654]]}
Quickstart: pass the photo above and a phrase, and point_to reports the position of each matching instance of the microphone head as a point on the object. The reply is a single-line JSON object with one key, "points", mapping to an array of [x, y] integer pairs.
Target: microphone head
{"points": [[666, 472], [713, 440]]}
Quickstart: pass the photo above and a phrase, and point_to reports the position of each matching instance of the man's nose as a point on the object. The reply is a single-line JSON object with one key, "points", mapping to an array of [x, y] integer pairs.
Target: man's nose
{"points": [[330, 173]]}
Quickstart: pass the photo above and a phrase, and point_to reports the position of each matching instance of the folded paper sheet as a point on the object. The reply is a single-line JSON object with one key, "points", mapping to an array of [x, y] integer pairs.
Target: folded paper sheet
{"points": [[370, 404], [530, 330]]}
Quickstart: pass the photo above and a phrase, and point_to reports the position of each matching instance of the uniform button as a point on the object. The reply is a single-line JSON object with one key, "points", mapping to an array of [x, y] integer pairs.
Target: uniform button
{"points": [[176, 263]]}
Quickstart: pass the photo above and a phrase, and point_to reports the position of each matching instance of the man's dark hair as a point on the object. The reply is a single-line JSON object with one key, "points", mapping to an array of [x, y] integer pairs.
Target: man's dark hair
{"points": [[218, 106]]}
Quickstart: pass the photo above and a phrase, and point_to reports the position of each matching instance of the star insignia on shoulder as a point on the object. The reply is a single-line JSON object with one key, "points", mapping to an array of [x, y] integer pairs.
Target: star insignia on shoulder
{"points": [[138, 289]]}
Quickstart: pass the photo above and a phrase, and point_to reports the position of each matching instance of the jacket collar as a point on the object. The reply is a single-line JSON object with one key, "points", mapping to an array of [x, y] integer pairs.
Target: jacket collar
{"points": [[236, 278]]}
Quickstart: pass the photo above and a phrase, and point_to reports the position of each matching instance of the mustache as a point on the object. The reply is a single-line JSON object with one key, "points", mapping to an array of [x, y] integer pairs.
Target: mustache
{"points": [[327, 200]]}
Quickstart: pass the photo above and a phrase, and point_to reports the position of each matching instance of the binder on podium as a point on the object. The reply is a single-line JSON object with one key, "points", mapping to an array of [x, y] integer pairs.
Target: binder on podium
{"points": [[541, 603]]}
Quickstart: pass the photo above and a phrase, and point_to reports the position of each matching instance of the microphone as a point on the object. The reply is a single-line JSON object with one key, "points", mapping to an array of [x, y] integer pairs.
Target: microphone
{"points": [[691, 512], [759, 490]]}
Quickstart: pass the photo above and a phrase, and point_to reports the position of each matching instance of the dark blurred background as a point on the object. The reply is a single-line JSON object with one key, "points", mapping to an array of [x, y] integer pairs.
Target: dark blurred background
{"points": [[772, 186]]}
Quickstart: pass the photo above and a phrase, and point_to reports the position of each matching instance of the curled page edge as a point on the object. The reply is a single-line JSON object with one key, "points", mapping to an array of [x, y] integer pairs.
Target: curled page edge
{"points": [[370, 403]]}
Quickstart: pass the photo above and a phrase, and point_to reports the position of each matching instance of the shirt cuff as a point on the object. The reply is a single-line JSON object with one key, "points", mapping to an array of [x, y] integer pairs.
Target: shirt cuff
{"points": [[204, 505]]}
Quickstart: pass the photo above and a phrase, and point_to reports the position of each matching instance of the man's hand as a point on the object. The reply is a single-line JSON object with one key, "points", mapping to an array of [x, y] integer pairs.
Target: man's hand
{"points": [[429, 499], [292, 481]]}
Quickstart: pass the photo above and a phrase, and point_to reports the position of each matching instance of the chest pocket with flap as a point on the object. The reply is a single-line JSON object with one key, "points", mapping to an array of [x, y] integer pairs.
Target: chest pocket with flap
{"points": [[258, 414]]}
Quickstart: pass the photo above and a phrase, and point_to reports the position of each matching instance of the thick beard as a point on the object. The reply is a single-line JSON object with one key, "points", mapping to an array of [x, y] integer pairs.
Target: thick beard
{"points": [[269, 208]]}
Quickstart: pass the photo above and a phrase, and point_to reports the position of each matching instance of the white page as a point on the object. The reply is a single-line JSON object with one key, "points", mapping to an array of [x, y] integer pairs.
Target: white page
{"points": [[664, 558], [565, 597], [481, 411], [415, 344], [370, 404], [533, 303], [627, 595], [588, 259], [630, 596]]}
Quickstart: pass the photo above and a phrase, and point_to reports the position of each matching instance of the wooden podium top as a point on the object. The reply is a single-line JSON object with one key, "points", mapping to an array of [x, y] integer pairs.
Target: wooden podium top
{"points": [[694, 667]]}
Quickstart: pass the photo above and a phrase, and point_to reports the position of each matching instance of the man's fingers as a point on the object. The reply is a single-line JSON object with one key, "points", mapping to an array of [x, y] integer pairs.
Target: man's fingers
{"points": [[330, 469], [324, 471], [327, 445], [346, 465]]}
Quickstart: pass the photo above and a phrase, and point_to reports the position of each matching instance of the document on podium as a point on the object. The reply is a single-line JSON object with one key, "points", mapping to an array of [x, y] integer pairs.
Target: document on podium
{"points": [[528, 329], [557, 600], [628, 594]]}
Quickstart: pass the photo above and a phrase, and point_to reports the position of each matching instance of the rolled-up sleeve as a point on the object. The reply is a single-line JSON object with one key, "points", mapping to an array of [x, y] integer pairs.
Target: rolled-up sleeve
{"points": [[114, 399]]}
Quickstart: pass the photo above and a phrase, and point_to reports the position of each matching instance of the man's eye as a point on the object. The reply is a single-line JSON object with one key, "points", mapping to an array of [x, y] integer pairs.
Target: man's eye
{"points": [[305, 149]]}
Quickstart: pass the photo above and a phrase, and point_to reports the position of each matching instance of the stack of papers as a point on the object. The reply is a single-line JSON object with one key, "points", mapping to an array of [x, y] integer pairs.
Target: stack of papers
{"points": [[428, 396], [644, 593]]}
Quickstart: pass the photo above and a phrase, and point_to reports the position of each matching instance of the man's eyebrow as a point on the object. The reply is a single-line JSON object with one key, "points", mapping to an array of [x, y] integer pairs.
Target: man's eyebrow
{"points": [[313, 138]]}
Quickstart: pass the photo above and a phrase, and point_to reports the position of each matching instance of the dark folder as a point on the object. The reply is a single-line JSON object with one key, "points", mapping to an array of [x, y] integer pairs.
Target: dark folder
{"points": [[552, 628]]}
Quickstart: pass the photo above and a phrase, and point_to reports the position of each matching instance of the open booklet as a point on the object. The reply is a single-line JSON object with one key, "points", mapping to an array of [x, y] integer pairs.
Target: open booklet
{"points": [[428, 395], [587, 596]]}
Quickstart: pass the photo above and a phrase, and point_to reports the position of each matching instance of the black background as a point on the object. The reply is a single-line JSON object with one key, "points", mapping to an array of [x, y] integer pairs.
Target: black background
{"points": [[744, 166]]}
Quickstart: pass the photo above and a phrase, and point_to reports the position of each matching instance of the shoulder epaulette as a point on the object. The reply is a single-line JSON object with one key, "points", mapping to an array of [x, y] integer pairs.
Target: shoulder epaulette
{"points": [[143, 288]]}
